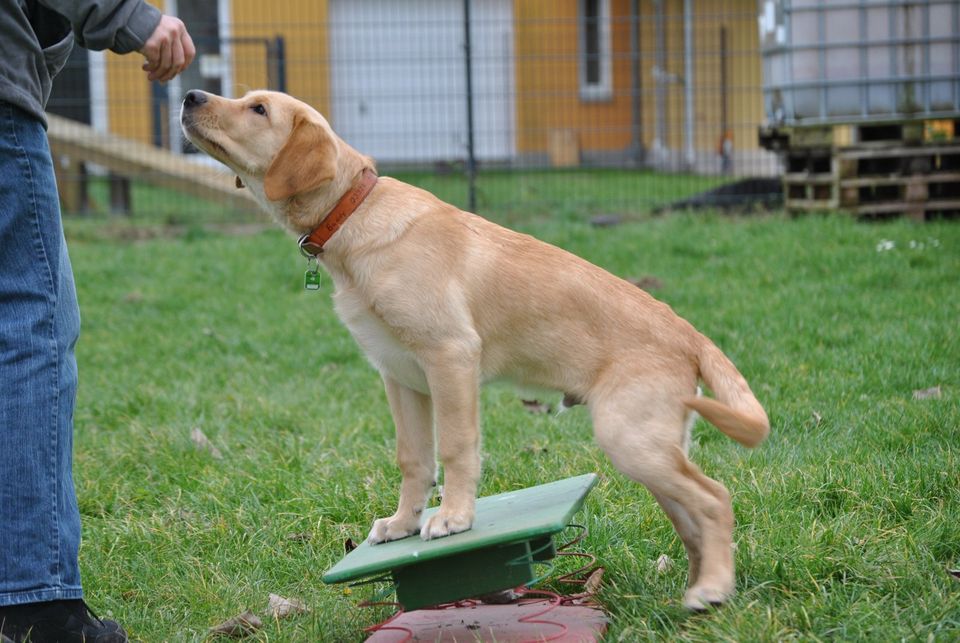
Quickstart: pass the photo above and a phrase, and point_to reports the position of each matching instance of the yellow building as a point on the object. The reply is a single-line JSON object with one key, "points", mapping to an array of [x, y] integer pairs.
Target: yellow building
{"points": [[632, 96], [561, 81]]}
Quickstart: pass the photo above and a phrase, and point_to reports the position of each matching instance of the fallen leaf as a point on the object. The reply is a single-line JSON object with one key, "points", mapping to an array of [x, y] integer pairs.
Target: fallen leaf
{"points": [[592, 585], [299, 537], [606, 220], [202, 442], [281, 607], [664, 564], [187, 516], [133, 297], [535, 449], [505, 597], [536, 406], [932, 393], [349, 545], [647, 282], [237, 627]]}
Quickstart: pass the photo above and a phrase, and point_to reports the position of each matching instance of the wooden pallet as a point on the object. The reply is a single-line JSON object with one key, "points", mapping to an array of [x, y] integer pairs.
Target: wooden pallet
{"points": [[74, 145], [890, 170]]}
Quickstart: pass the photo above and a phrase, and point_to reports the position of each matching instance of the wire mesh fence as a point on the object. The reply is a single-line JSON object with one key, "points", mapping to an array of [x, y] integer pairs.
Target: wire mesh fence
{"points": [[576, 106]]}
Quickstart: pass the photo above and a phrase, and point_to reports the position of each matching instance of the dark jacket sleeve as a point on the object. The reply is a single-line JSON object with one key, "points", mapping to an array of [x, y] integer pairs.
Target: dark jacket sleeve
{"points": [[118, 25]]}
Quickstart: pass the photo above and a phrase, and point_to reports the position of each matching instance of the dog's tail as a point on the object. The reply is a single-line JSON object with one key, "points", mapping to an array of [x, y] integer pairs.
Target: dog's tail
{"points": [[736, 410]]}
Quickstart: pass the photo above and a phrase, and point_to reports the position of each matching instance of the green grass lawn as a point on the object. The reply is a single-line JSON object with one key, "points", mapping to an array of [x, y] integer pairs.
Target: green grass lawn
{"points": [[848, 516]]}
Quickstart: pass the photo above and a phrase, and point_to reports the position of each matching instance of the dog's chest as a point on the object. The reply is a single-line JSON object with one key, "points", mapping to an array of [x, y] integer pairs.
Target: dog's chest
{"points": [[383, 349]]}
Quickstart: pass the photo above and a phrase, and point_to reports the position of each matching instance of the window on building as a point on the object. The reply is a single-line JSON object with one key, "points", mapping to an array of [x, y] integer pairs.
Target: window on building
{"points": [[595, 68]]}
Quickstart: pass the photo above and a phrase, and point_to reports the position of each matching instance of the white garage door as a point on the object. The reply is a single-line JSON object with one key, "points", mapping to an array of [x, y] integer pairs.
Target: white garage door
{"points": [[398, 78]]}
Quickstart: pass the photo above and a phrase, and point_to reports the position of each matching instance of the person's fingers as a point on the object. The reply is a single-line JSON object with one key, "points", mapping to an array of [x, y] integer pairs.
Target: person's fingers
{"points": [[168, 51], [163, 61], [150, 57], [166, 58], [176, 60], [189, 50]]}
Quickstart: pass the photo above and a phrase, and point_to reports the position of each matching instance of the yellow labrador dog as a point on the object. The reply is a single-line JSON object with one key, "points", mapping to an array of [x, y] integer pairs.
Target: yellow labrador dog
{"points": [[442, 300]]}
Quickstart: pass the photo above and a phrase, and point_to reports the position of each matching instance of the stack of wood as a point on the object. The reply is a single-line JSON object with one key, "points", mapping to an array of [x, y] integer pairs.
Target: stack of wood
{"points": [[910, 169]]}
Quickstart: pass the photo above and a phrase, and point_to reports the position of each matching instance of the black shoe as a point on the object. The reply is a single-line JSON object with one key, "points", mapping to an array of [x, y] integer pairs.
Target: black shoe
{"points": [[57, 622]]}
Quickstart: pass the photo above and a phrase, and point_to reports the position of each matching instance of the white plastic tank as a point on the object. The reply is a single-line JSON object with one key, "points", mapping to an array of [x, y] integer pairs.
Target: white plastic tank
{"points": [[859, 61]]}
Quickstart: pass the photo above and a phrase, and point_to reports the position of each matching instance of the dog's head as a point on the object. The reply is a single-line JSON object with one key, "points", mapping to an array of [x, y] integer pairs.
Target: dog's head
{"points": [[275, 143]]}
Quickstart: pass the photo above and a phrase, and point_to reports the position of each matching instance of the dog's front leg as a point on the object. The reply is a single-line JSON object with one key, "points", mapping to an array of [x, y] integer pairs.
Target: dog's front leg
{"points": [[416, 458], [453, 378]]}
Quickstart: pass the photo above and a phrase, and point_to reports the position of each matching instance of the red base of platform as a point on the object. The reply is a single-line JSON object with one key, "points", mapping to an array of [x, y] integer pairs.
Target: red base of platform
{"points": [[501, 623]]}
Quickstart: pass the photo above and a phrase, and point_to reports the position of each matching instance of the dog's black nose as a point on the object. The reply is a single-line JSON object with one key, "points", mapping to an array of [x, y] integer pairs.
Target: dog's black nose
{"points": [[194, 98]]}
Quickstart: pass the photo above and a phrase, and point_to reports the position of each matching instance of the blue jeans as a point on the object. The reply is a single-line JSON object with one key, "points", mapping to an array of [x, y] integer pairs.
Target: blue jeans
{"points": [[39, 325]]}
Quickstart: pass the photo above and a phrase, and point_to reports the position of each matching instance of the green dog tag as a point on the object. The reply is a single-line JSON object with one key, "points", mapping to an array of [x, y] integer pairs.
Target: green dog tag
{"points": [[311, 280]]}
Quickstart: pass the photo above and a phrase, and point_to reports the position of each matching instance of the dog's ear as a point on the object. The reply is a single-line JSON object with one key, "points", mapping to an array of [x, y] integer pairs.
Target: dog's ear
{"points": [[306, 161]]}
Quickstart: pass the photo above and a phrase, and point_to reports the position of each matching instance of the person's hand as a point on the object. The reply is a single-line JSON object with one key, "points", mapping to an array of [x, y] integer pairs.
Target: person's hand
{"points": [[168, 50]]}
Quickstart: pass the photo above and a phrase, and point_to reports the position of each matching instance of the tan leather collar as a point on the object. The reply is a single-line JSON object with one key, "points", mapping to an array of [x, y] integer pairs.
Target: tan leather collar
{"points": [[311, 244]]}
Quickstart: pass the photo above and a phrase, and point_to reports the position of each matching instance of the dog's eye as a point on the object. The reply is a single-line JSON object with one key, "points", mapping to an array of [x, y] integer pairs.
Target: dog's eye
{"points": [[260, 109]]}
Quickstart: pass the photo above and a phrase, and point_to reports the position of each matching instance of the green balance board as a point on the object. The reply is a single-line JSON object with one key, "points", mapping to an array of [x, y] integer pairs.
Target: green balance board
{"points": [[511, 531]]}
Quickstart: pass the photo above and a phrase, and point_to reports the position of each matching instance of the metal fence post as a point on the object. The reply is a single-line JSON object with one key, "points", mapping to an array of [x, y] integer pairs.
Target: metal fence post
{"points": [[471, 152], [280, 62], [637, 153]]}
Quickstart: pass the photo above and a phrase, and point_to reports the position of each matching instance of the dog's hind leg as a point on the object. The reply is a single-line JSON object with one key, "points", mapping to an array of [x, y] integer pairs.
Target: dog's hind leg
{"points": [[688, 531], [416, 458], [643, 432]]}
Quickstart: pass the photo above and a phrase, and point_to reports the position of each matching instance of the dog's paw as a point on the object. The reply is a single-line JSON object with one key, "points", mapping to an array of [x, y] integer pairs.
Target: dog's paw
{"points": [[392, 528], [701, 599], [445, 523]]}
